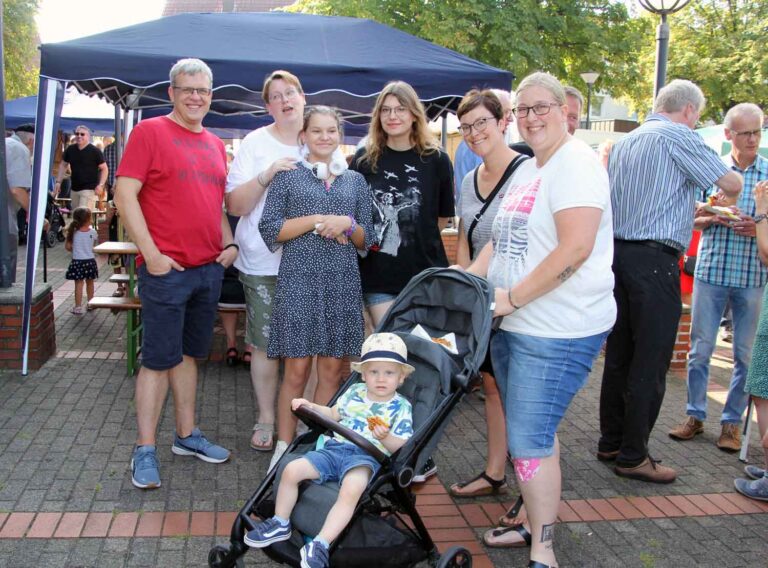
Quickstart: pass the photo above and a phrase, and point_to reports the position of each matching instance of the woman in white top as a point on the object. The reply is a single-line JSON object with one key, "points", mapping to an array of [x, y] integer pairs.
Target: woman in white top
{"points": [[263, 153], [550, 261]]}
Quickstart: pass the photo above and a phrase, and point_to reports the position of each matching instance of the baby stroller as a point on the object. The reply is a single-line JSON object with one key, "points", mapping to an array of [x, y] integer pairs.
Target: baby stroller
{"points": [[441, 300], [56, 223]]}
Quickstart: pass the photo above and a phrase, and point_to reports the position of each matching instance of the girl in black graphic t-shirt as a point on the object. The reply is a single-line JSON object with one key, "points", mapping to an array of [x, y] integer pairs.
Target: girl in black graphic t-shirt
{"points": [[412, 184]]}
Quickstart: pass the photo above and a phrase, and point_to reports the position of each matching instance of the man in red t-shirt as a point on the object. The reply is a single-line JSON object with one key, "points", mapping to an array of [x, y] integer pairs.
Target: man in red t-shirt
{"points": [[170, 190]]}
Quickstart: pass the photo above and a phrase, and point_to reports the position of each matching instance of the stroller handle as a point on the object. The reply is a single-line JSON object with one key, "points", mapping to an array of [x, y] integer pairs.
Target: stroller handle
{"points": [[309, 415]]}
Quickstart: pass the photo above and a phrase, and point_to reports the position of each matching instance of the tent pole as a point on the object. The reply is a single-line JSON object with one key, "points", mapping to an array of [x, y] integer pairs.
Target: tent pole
{"points": [[5, 228], [444, 132]]}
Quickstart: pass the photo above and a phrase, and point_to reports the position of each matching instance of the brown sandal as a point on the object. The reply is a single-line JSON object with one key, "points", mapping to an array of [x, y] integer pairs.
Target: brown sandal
{"points": [[494, 487]]}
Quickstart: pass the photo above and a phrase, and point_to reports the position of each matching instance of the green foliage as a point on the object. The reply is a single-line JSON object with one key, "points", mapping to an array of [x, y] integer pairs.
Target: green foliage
{"points": [[717, 44], [22, 60], [564, 37]]}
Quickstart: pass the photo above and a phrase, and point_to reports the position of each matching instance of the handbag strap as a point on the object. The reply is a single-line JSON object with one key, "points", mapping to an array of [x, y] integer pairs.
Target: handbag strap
{"points": [[513, 165]]}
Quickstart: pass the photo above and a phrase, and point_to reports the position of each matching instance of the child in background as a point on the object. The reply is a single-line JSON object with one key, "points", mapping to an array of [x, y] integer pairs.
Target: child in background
{"points": [[371, 408], [81, 238]]}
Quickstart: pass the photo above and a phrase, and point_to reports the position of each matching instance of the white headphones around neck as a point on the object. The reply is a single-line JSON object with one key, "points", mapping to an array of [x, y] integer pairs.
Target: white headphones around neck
{"points": [[321, 170]]}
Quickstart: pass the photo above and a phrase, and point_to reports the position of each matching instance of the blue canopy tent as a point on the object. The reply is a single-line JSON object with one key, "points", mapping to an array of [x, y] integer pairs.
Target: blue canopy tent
{"points": [[24, 110], [342, 62]]}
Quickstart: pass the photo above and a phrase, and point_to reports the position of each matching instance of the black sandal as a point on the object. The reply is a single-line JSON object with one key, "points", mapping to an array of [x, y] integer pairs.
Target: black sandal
{"points": [[514, 510], [232, 357], [500, 531], [246, 360], [495, 486]]}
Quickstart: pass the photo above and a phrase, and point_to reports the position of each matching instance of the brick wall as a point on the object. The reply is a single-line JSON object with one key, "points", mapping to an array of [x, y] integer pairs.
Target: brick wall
{"points": [[42, 333], [450, 240], [679, 362]]}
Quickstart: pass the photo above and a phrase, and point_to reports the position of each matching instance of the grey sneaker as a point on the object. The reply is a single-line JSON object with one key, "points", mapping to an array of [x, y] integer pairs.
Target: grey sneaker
{"points": [[757, 489], [145, 469], [314, 555], [199, 446], [266, 533], [754, 472]]}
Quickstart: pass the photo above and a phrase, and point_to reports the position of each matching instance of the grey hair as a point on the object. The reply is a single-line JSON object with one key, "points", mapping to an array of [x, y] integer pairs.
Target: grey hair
{"points": [[679, 93], [190, 66], [545, 81], [575, 93], [502, 94], [742, 109]]}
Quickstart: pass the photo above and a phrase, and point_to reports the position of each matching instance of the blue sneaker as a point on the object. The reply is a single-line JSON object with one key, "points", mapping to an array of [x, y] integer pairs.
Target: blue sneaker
{"points": [[754, 472], [267, 532], [314, 555], [145, 469], [198, 445], [757, 489]]}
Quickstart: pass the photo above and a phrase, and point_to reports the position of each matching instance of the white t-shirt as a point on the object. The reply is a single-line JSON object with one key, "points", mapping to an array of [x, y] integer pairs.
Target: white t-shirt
{"points": [[257, 152], [524, 234]]}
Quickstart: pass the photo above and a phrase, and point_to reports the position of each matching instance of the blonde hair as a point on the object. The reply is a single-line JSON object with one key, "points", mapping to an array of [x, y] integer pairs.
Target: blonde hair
{"points": [[421, 138], [545, 81], [286, 76]]}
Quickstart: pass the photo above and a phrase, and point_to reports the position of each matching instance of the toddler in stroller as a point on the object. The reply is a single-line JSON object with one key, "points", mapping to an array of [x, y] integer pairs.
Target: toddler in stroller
{"points": [[385, 529], [374, 410], [56, 223]]}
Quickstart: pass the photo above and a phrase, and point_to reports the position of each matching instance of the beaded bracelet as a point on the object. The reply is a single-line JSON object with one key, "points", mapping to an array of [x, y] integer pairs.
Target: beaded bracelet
{"points": [[352, 228]]}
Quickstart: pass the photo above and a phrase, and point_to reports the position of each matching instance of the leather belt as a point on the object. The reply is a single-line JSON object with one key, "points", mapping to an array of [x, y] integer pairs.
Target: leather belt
{"points": [[654, 245]]}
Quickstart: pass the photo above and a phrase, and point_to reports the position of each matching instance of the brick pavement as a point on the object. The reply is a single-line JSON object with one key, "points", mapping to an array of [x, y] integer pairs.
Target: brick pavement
{"points": [[66, 499]]}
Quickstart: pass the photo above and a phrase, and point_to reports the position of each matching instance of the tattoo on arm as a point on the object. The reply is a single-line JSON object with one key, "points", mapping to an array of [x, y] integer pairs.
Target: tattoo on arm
{"points": [[548, 533], [566, 274]]}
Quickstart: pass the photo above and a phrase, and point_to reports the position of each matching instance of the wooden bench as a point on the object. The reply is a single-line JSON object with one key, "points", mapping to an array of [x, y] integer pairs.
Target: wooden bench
{"points": [[125, 303], [120, 278]]}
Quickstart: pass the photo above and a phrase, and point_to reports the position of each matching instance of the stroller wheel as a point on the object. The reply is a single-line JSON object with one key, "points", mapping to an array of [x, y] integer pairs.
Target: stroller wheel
{"points": [[60, 236], [455, 557], [50, 239], [217, 558]]}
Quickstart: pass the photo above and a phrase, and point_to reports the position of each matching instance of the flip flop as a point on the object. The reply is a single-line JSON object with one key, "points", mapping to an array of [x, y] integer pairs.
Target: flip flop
{"points": [[265, 435], [508, 518], [501, 531], [494, 487], [232, 357]]}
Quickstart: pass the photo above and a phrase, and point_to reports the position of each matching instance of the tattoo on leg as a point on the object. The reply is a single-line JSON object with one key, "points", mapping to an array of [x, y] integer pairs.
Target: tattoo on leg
{"points": [[548, 533], [526, 469], [566, 274]]}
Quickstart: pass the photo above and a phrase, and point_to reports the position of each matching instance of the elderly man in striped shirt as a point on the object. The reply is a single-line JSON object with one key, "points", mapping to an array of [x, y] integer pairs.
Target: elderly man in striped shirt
{"points": [[728, 267], [655, 173]]}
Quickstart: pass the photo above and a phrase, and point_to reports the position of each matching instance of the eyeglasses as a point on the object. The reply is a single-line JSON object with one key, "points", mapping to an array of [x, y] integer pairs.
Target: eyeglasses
{"points": [[280, 97], [189, 91], [539, 109], [748, 133], [398, 111], [81, 134], [479, 125]]}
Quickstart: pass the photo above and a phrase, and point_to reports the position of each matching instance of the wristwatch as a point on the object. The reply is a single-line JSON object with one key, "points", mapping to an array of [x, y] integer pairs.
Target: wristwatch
{"points": [[760, 217]]}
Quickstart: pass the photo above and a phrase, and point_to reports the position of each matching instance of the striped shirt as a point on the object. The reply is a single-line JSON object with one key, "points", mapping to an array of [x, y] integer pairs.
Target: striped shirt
{"points": [[728, 259], [655, 172]]}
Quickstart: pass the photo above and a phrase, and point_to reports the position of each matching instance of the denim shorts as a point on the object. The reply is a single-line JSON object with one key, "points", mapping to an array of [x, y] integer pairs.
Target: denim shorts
{"points": [[538, 378], [374, 298], [337, 458], [178, 310]]}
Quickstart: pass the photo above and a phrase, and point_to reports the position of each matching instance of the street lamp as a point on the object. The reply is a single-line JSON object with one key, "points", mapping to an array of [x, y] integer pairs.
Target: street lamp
{"points": [[589, 78], [662, 8]]}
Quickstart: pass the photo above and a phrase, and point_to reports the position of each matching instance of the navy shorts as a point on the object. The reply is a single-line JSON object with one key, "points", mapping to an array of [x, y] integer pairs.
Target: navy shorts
{"points": [[337, 458], [178, 310]]}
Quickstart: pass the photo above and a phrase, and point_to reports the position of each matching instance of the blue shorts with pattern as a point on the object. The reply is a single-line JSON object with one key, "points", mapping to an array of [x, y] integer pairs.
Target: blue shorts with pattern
{"points": [[337, 458]]}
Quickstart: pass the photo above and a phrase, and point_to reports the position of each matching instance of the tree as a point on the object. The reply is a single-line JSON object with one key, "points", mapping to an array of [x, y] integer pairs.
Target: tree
{"points": [[564, 37], [22, 59], [717, 44]]}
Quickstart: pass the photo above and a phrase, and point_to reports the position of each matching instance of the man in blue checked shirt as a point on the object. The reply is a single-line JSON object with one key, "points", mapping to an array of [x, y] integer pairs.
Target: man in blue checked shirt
{"points": [[656, 172], [727, 268]]}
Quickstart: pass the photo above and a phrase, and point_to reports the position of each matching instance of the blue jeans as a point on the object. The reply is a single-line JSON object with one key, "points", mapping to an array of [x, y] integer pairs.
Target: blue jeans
{"points": [[538, 378], [708, 304]]}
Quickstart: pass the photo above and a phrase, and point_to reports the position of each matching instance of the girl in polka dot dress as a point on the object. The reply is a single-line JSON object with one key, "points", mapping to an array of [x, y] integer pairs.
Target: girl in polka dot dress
{"points": [[320, 214], [81, 238]]}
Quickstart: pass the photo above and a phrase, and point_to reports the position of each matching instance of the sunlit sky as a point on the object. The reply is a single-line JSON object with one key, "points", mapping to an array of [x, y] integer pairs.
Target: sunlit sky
{"points": [[61, 20]]}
